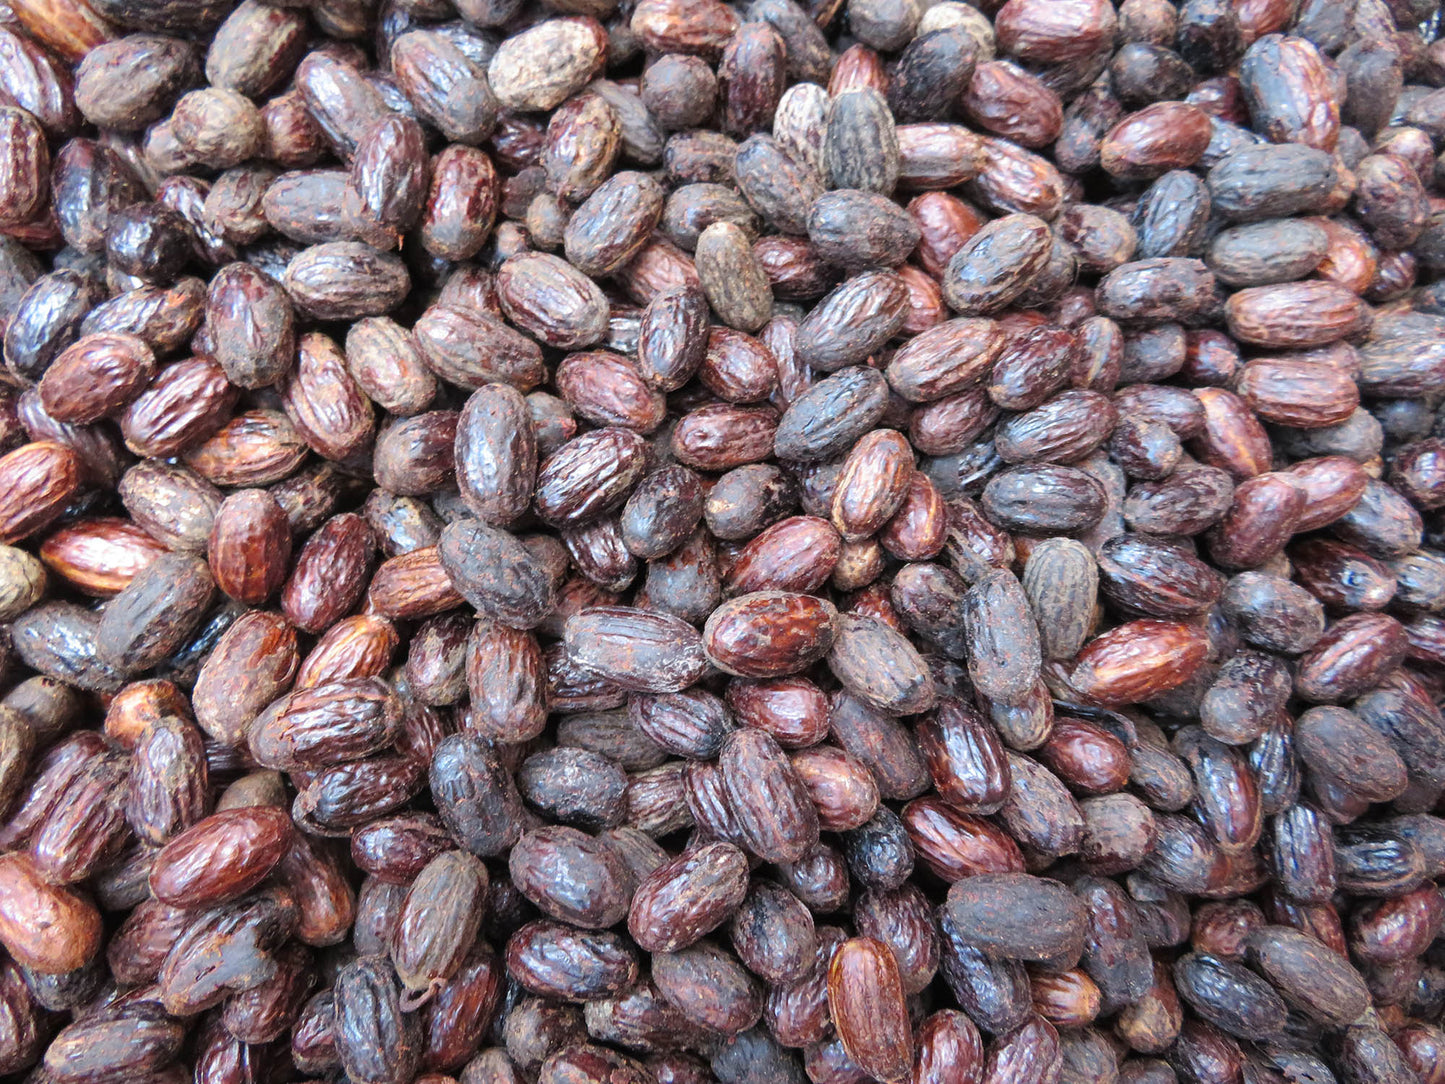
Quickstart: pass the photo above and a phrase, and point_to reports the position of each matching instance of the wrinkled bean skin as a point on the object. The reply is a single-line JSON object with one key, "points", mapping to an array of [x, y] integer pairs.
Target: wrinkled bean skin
{"points": [[866, 1000], [220, 858]]}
